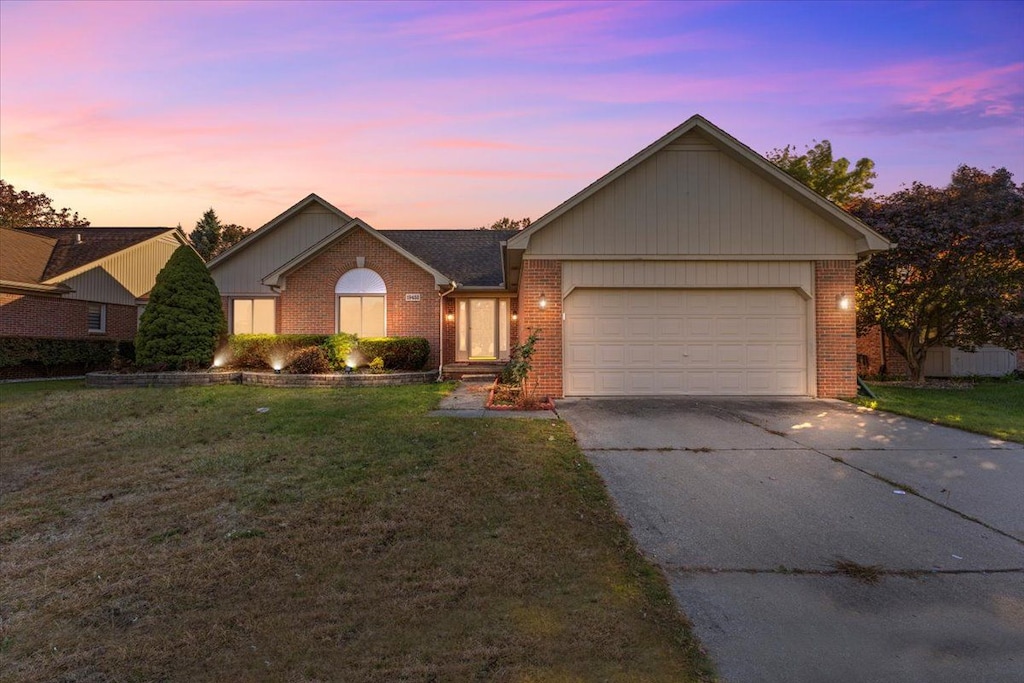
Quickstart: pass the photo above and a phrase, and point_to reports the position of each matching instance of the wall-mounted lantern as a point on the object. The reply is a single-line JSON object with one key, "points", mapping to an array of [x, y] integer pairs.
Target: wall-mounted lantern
{"points": [[843, 302], [543, 301]]}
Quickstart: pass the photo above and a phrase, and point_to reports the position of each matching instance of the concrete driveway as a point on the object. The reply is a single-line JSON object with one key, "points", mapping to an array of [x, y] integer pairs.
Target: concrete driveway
{"points": [[761, 510]]}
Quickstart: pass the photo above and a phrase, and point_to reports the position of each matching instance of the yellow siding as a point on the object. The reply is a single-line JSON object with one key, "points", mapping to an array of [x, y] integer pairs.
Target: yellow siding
{"points": [[126, 275], [241, 274], [692, 200], [696, 274]]}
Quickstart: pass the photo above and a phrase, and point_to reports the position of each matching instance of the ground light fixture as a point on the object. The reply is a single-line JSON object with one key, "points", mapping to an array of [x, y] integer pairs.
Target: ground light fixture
{"points": [[843, 302]]}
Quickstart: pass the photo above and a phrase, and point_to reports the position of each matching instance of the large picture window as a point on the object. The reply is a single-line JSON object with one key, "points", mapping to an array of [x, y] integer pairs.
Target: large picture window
{"points": [[362, 303], [252, 316]]}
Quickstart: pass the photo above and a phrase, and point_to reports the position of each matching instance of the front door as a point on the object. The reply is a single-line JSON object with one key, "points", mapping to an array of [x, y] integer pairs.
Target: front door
{"points": [[483, 329]]}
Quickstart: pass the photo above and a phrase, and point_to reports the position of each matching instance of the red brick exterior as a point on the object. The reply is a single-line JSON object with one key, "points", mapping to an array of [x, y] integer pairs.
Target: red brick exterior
{"points": [[58, 318], [543, 277], [835, 329], [877, 358], [307, 305]]}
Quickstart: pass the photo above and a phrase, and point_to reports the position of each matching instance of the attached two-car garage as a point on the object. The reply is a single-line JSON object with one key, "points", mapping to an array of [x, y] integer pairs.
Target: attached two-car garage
{"points": [[640, 342]]}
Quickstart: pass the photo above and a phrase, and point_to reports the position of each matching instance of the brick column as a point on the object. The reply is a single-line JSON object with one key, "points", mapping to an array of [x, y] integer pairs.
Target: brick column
{"points": [[543, 277], [835, 329]]}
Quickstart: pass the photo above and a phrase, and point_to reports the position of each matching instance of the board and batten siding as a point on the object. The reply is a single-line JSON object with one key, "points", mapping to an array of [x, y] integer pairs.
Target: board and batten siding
{"points": [[797, 275], [692, 199], [124, 276], [241, 274]]}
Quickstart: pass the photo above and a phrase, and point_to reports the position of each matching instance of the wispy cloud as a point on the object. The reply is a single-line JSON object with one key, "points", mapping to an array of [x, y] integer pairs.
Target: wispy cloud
{"points": [[942, 96]]}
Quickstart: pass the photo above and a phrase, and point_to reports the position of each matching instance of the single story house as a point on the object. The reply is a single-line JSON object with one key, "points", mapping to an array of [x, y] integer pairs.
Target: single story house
{"points": [[694, 267], [79, 283]]}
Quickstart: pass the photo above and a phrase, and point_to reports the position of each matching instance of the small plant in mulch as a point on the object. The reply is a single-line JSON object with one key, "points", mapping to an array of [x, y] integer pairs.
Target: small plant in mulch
{"points": [[512, 388]]}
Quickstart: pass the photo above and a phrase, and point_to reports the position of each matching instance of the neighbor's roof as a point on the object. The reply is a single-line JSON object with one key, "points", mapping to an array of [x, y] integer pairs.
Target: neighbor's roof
{"points": [[23, 256], [470, 257], [97, 243]]}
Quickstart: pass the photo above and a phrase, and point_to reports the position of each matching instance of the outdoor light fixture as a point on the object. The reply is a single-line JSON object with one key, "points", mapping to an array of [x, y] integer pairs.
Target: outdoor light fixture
{"points": [[543, 302], [277, 371], [843, 302], [515, 317], [449, 317]]}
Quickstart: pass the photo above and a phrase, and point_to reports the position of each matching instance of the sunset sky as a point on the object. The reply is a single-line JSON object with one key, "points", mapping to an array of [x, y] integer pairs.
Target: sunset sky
{"points": [[437, 115]]}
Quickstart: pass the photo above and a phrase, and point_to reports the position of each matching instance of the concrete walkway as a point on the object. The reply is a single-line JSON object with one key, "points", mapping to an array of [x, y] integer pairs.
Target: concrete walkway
{"points": [[470, 400], [760, 512]]}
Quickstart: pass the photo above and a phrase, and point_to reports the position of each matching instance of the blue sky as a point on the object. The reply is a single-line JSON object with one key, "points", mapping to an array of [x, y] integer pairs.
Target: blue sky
{"points": [[455, 114]]}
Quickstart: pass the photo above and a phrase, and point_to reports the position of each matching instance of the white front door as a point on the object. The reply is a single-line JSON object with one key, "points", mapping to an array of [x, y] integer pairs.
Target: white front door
{"points": [[482, 329]]}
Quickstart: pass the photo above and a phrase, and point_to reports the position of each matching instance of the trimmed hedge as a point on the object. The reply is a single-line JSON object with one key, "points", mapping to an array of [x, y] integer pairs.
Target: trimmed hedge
{"points": [[261, 351], [398, 353], [311, 360], [43, 356]]}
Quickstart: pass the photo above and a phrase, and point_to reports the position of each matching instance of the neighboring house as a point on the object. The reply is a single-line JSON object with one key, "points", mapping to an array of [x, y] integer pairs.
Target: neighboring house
{"points": [[695, 267], [875, 356], [79, 283]]}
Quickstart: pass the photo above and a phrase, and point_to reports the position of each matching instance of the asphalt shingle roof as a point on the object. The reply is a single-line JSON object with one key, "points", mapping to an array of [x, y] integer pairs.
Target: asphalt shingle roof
{"points": [[470, 257], [23, 257], [97, 243]]}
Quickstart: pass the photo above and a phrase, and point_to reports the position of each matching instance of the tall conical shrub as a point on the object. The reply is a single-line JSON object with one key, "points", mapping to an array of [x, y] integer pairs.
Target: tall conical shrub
{"points": [[183, 322]]}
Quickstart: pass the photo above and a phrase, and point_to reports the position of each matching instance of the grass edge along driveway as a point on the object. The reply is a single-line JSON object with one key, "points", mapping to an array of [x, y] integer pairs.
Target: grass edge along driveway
{"points": [[993, 407], [189, 534]]}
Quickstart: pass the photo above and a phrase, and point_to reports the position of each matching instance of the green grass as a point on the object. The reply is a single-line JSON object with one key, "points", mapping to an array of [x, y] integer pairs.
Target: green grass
{"points": [[992, 407], [179, 534]]}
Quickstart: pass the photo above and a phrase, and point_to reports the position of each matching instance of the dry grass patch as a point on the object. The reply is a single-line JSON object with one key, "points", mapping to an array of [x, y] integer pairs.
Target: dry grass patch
{"points": [[179, 534]]}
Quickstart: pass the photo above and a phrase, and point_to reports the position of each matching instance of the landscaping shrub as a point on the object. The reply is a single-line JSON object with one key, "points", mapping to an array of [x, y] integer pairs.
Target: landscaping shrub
{"points": [[341, 348], [310, 360], [398, 353], [262, 351], [183, 322], [35, 356], [377, 364]]}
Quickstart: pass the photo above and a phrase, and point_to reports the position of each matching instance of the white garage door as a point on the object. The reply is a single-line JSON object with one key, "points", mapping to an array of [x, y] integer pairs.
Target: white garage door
{"points": [[643, 342]]}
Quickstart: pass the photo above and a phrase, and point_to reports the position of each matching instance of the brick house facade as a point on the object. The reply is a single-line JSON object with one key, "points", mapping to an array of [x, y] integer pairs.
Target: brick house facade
{"points": [[739, 280], [79, 283]]}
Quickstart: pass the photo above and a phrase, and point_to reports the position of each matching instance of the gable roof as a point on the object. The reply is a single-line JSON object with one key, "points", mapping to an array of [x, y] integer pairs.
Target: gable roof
{"points": [[75, 248], [263, 230], [868, 240], [273, 278], [470, 257]]}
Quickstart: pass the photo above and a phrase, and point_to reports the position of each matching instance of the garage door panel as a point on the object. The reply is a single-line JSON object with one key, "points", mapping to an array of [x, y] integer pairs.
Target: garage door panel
{"points": [[663, 341]]}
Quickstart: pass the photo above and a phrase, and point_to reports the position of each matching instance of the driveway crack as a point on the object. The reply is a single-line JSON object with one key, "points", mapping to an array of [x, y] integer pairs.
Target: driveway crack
{"points": [[908, 489]]}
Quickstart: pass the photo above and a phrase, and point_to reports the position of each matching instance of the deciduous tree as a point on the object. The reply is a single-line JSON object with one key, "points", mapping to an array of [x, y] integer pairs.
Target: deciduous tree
{"points": [[832, 178], [506, 223], [26, 209], [956, 276]]}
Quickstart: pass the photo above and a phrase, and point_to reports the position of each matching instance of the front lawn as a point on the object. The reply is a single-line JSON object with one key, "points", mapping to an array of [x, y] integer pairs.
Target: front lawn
{"points": [[993, 407], [246, 534]]}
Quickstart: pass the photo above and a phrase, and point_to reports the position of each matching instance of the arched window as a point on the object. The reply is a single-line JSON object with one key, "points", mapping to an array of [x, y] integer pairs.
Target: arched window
{"points": [[361, 296]]}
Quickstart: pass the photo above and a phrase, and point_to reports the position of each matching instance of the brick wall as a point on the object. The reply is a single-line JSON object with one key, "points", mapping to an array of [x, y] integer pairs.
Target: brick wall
{"points": [[836, 329], [873, 356], [543, 277], [57, 318], [308, 304]]}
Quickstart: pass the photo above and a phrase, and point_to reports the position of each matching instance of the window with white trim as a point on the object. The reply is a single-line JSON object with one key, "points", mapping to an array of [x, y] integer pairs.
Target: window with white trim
{"points": [[96, 318], [252, 316], [362, 303]]}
